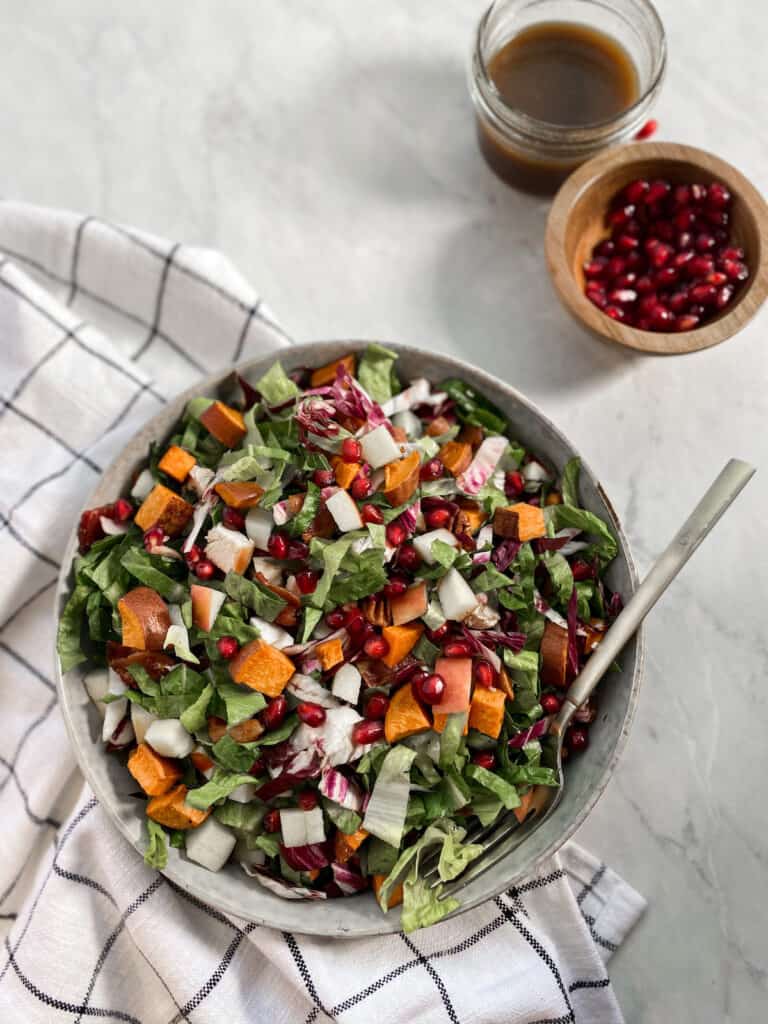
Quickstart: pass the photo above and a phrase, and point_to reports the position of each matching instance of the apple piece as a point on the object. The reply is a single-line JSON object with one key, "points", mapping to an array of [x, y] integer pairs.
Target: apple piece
{"points": [[141, 719], [258, 526], [143, 485], [293, 827], [346, 684], [269, 568], [229, 550], [271, 633], [145, 619], [96, 683], [211, 844], [167, 736], [206, 605], [244, 793], [410, 605], [457, 599], [379, 447], [457, 673], [344, 511], [424, 541]]}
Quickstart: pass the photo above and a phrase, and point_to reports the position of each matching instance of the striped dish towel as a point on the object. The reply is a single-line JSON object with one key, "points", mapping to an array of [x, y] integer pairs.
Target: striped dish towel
{"points": [[100, 325]]}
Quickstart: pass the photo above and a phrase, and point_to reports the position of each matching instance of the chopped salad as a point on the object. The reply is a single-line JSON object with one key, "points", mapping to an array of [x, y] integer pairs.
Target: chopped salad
{"points": [[330, 624]]}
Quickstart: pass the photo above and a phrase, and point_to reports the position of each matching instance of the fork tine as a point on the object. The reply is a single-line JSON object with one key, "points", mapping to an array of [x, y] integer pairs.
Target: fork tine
{"points": [[476, 835]]}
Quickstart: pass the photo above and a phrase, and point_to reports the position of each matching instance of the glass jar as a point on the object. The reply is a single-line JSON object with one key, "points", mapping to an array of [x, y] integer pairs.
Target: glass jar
{"points": [[538, 155]]}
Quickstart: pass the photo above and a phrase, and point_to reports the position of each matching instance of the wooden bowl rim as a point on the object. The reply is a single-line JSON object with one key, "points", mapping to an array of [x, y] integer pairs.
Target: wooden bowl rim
{"points": [[569, 291]]}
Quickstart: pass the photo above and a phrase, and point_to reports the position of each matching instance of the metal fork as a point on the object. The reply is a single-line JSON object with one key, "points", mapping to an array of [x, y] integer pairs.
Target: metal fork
{"points": [[501, 838]]}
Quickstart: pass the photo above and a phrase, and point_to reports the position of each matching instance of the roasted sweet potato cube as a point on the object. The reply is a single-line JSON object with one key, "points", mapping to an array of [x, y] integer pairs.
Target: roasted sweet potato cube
{"points": [[247, 731], [554, 655], [216, 728], [225, 423], [472, 435], [405, 716], [469, 518], [505, 683], [330, 653], [455, 456], [519, 522], [438, 427], [262, 667], [345, 472], [345, 846], [439, 722], [177, 463], [239, 494], [395, 897], [164, 508], [401, 640], [153, 772], [144, 618], [486, 712], [171, 810], [401, 478], [327, 374]]}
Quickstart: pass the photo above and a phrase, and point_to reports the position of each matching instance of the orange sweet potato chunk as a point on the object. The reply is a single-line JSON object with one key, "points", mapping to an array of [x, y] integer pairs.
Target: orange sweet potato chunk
{"points": [[153, 772], [401, 640], [345, 472], [405, 716], [519, 522], [239, 494], [225, 423], [171, 810], [163, 507], [401, 478], [469, 518], [505, 683], [345, 846], [177, 463], [526, 800], [410, 605], [144, 618], [486, 712], [201, 761], [554, 655], [327, 374], [262, 667], [456, 456], [438, 427], [247, 731], [395, 897], [330, 653]]}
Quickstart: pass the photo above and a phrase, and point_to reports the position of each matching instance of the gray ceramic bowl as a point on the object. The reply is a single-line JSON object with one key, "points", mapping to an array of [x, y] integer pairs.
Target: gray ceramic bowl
{"points": [[231, 890]]}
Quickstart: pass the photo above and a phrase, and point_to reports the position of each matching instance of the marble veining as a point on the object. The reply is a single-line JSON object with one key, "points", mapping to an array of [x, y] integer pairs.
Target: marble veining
{"points": [[328, 149]]}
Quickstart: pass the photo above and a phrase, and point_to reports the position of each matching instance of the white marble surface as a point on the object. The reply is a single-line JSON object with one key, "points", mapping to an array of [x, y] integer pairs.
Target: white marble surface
{"points": [[328, 149]]}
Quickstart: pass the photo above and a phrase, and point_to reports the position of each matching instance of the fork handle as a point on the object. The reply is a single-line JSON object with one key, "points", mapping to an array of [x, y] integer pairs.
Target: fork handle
{"points": [[722, 492]]}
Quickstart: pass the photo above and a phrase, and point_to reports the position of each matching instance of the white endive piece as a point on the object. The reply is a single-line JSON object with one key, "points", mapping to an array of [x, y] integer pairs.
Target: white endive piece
{"points": [[210, 844], [457, 599], [167, 736], [379, 447]]}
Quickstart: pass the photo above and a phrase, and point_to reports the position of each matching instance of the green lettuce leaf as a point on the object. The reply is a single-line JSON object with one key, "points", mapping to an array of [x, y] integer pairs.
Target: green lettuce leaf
{"points": [[196, 407], [241, 701], [426, 651], [422, 906], [376, 372], [332, 556], [254, 595], [177, 691], [387, 809], [242, 817], [269, 843], [153, 571], [569, 483], [346, 821], [456, 855], [276, 387], [490, 579], [156, 855], [310, 619], [451, 738], [69, 632], [303, 518], [381, 856], [561, 575], [474, 407], [495, 784], [578, 518], [219, 786], [194, 717]]}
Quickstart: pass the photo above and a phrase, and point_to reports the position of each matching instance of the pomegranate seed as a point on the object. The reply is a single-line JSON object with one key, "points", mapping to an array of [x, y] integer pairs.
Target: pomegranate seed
{"points": [[626, 280], [376, 707], [277, 545], [698, 193], [635, 261], [582, 570], [485, 758], [273, 714], [661, 318], [615, 267], [577, 738], [311, 714], [360, 488], [376, 647], [550, 703], [307, 580], [678, 301], [351, 450], [680, 259], [705, 241], [735, 270], [271, 821], [457, 649], [684, 240], [436, 635], [431, 470], [396, 534], [607, 247], [724, 296], [643, 323], [626, 242], [307, 799], [615, 312], [657, 190], [699, 266], [122, 510], [620, 216], [297, 549], [353, 619], [681, 197], [595, 268], [636, 190], [706, 294], [665, 277], [643, 285], [484, 674], [408, 558], [396, 586], [366, 732], [205, 569], [716, 278], [622, 296], [718, 196], [597, 298], [233, 519], [227, 646], [335, 619], [371, 514], [696, 310], [660, 255], [154, 537], [323, 477], [258, 767], [193, 556], [437, 517], [429, 687], [664, 230], [648, 129], [686, 322], [732, 253], [684, 219]]}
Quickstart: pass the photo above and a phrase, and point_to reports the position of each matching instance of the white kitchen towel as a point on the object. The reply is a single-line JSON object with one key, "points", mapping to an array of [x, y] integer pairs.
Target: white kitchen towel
{"points": [[99, 325]]}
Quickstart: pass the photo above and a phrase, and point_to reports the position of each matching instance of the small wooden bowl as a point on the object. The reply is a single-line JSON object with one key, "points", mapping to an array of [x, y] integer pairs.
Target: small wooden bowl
{"points": [[577, 222]]}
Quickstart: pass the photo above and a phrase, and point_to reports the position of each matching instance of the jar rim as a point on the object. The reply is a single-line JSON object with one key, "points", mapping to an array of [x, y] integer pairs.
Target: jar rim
{"points": [[540, 130]]}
